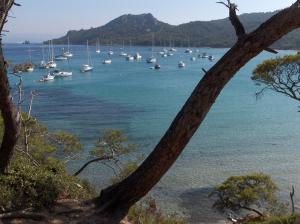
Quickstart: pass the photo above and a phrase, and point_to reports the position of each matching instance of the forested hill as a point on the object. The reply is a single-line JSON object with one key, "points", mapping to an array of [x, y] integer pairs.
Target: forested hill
{"points": [[138, 30]]}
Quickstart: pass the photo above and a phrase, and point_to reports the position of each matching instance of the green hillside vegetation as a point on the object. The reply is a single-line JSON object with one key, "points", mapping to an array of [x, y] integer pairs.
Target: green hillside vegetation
{"points": [[138, 30]]}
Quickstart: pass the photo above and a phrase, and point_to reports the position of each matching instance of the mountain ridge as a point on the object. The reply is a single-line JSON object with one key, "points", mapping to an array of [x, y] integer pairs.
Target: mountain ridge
{"points": [[138, 30]]}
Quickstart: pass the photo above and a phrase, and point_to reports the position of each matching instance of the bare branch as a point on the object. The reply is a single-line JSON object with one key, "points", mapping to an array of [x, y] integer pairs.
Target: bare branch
{"points": [[234, 19]]}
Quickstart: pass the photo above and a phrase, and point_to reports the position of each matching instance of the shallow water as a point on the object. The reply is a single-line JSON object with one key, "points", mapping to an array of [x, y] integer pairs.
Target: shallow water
{"points": [[240, 134]]}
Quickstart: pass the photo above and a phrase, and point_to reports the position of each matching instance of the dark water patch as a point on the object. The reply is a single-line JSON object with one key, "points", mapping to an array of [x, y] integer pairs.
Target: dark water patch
{"points": [[85, 116]]}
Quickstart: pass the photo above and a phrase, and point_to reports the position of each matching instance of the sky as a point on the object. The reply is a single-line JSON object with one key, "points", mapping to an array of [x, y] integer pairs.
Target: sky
{"points": [[38, 20]]}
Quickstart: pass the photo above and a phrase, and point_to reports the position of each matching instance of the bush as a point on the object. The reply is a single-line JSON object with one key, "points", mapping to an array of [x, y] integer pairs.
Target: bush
{"points": [[27, 186]]}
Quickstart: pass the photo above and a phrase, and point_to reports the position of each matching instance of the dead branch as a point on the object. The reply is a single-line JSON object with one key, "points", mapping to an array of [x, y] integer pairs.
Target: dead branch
{"points": [[292, 194]]}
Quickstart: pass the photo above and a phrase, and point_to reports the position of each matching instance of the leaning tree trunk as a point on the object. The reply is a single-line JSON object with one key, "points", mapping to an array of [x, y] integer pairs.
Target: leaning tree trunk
{"points": [[117, 199], [9, 113]]}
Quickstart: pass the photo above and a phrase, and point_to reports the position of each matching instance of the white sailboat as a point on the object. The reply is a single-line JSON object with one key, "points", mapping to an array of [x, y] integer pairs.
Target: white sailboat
{"points": [[123, 53], [98, 46], [47, 77], [87, 67], [43, 64], [30, 67], [181, 64], [151, 59], [68, 53], [51, 63]]}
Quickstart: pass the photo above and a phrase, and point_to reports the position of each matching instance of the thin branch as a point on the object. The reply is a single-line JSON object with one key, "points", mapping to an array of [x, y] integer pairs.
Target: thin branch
{"points": [[292, 194], [91, 161]]}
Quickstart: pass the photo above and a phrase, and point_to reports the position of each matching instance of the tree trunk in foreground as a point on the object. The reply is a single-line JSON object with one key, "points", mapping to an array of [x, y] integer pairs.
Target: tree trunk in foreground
{"points": [[8, 111], [115, 201]]}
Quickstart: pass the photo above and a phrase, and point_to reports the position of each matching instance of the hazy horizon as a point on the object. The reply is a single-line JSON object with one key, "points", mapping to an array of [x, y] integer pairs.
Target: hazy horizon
{"points": [[53, 19]]}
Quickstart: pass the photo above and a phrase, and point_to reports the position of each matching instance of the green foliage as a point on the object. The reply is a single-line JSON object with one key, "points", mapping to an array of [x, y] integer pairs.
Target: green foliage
{"points": [[266, 71], [67, 141], [27, 186], [112, 143], [238, 192], [147, 212], [280, 75], [279, 220], [42, 144]]}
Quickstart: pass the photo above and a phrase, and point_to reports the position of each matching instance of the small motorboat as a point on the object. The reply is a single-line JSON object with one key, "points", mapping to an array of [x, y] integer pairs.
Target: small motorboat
{"points": [[129, 58], [123, 54], [211, 58], [151, 60], [157, 66], [86, 68], [188, 51], [107, 61], [181, 64], [47, 77], [137, 56], [193, 58], [58, 73], [60, 58], [51, 64]]}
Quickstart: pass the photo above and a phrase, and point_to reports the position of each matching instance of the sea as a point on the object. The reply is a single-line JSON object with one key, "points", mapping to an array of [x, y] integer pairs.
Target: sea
{"points": [[241, 133]]}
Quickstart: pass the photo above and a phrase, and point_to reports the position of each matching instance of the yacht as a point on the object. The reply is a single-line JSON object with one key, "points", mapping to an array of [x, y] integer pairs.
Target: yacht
{"points": [[129, 58], [173, 50], [137, 56], [59, 73], [110, 52], [181, 64], [107, 61], [98, 51], [123, 54], [151, 59], [47, 77], [61, 57], [30, 67], [87, 67], [43, 63], [188, 51], [211, 58], [51, 64], [68, 53]]}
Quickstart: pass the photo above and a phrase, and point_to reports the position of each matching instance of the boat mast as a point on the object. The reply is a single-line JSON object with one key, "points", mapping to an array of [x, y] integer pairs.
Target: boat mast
{"points": [[152, 44], [52, 51], [68, 44]]}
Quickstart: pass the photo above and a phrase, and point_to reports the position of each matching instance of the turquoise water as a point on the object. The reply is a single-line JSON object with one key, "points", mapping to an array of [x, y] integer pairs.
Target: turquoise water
{"points": [[240, 134]]}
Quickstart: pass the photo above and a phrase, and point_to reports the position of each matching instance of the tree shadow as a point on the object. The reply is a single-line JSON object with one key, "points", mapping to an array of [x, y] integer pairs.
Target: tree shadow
{"points": [[198, 206]]}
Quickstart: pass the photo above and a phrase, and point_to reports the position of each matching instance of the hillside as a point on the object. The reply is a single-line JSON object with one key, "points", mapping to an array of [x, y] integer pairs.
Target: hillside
{"points": [[139, 28]]}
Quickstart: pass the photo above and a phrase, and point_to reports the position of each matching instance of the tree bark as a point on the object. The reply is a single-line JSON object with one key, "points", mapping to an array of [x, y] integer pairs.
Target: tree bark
{"points": [[117, 199], [9, 113]]}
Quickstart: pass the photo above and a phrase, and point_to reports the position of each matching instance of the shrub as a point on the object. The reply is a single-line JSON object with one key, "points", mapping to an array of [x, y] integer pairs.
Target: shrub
{"points": [[27, 186]]}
